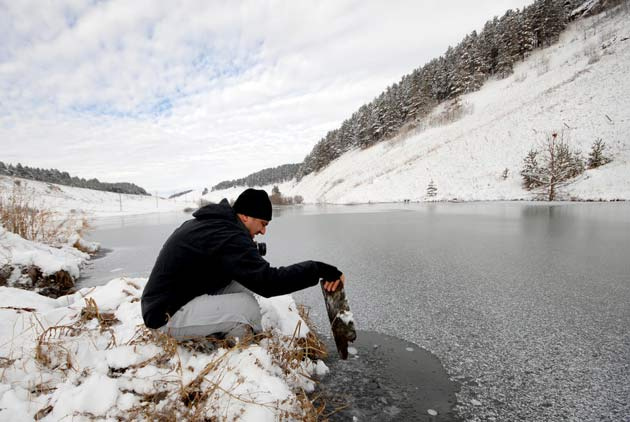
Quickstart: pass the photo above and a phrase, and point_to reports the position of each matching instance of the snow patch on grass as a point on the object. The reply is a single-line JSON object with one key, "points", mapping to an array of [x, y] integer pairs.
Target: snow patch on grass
{"points": [[88, 355]]}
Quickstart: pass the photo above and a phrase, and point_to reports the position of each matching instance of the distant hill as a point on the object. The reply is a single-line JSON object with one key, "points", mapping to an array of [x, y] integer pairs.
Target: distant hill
{"points": [[63, 178], [264, 177]]}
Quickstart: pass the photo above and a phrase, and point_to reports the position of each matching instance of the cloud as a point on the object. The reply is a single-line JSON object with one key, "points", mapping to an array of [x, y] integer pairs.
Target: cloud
{"points": [[174, 95]]}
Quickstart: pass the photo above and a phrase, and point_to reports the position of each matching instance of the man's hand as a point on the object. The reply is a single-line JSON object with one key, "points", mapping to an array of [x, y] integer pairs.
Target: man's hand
{"points": [[331, 286]]}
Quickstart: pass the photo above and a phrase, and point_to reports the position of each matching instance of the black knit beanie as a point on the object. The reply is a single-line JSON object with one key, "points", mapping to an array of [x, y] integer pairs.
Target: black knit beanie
{"points": [[254, 203]]}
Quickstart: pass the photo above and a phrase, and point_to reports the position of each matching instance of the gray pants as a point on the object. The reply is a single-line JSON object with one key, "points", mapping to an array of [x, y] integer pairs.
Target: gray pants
{"points": [[219, 313]]}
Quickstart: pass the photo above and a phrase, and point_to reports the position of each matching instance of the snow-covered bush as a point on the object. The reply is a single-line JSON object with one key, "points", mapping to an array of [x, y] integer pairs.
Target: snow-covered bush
{"points": [[597, 157]]}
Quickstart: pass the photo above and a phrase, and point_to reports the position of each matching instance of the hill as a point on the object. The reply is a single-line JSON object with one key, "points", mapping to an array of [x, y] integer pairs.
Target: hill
{"points": [[576, 87], [63, 178], [263, 177]]}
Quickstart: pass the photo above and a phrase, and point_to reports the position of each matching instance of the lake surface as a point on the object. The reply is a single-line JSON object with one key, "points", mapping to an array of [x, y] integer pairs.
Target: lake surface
{"points": [[527, 305]]}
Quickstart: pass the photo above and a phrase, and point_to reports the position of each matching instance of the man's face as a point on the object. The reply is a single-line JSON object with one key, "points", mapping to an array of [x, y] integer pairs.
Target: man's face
{"points": [[255, 225]]}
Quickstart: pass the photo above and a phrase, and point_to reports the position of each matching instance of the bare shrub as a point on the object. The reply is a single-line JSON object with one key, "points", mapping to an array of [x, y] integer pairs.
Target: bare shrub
{"points": [[20, 214]]}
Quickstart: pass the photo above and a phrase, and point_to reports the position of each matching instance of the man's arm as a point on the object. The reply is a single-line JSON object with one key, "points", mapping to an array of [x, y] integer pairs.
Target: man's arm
{"points": [[241, 261]]}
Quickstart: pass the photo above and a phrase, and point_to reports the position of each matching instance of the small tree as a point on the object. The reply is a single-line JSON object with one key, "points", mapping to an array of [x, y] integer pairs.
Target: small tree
{"points": [[577, 164], [431, 189], [530, 170], [558, 165], [596, 157], [505, 173], [276, 196]]}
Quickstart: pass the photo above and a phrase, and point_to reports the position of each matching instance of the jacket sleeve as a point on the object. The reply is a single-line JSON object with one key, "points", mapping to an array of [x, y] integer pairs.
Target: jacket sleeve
{"points": [[240, 261]]}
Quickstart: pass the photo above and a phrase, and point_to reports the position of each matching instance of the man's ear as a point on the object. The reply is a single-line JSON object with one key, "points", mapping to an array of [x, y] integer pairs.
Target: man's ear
{"points": [[243, 218]]}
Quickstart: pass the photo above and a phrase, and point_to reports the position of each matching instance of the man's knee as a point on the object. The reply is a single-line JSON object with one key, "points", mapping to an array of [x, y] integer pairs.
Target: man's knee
{"points": [[250, 309]]}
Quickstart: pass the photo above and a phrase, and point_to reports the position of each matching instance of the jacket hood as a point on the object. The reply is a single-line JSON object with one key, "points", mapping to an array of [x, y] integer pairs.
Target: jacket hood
{"points": [[220, 210]]}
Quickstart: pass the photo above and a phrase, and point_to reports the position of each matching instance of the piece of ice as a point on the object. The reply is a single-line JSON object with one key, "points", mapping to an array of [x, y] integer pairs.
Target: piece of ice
{"points": [[409, 349], [432, 412], [475, 402], [352, 350]]}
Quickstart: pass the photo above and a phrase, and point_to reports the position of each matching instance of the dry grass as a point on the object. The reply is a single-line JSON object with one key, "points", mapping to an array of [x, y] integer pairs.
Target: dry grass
{"points": [[180, 394], [20, 214]]}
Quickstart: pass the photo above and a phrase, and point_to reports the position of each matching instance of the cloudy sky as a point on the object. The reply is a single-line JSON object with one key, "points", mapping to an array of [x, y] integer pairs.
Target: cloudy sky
{"points": [[176, 95]]}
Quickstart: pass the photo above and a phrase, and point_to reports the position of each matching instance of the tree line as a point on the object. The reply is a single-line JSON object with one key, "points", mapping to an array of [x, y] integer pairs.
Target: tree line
{"points": [[63, 178], [263, 177], [464, 68]]}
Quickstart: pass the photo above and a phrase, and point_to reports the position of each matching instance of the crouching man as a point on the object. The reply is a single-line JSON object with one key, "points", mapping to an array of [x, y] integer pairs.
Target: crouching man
{"points": [[204, 276]]}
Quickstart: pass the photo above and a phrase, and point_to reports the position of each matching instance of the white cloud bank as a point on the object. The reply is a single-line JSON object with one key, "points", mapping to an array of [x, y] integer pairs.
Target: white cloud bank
{"points": [[180, 95]]}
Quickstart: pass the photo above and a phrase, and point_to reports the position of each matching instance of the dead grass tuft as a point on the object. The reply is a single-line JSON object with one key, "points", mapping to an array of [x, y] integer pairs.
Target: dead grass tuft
{"points": [[90, 312], [20, 214], [53, 354]]}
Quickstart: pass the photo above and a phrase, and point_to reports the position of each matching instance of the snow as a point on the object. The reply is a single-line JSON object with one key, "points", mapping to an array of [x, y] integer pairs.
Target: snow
{"points": [[66, 366], [281, 313], [560, 88], [346, 317], [20, 253], [68, 200]]}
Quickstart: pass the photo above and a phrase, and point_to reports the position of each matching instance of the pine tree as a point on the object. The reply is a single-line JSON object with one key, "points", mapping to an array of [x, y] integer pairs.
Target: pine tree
{"points": [[557, 167], [577, 164], [596, 157], [431, 189], [530, 170]]}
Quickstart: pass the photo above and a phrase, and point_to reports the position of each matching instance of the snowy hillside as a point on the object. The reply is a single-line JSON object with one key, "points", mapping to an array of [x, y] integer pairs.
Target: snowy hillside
{"points": [[577, 87], [94, 203]]}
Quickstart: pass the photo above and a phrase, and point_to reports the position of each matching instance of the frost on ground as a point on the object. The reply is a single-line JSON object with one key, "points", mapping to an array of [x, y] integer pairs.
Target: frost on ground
{"points": [[88, 356]]}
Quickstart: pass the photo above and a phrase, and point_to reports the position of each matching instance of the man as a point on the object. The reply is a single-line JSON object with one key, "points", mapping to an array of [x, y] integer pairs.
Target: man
{"points": [[204, 276]]}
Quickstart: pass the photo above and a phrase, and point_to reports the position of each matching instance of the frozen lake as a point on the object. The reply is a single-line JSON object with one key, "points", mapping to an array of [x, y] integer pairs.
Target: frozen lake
{"points": [[527, 305]]}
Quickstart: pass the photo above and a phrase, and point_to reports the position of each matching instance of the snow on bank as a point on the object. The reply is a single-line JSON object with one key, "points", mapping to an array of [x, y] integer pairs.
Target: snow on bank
{"points": [[88, 355], [67, 199], [578, 87], [18, 254]]}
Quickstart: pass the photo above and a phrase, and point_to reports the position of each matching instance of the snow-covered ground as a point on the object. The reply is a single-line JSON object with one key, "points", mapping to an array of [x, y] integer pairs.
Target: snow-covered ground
{"points": [[578, 87], [67, 199], [19, 254], [88, 356]]}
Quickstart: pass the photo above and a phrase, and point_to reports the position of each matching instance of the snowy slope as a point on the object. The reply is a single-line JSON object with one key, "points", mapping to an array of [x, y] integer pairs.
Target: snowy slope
{"points": [[578, 87], [65, 199]]}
